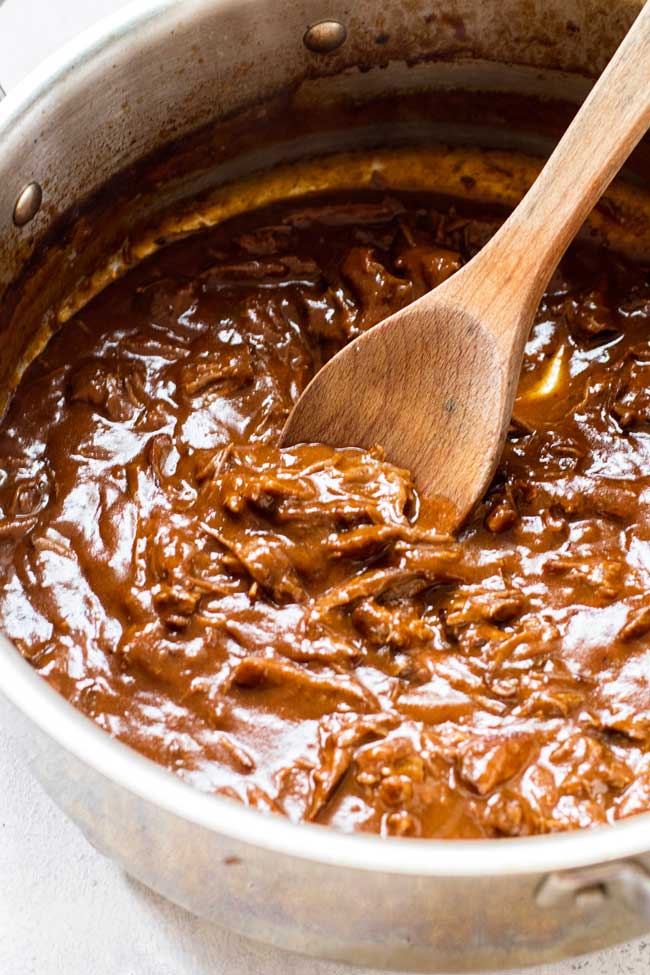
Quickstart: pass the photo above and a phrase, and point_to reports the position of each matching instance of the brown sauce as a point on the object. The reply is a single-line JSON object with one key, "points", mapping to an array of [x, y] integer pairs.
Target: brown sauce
{"points": [[287, 627]]}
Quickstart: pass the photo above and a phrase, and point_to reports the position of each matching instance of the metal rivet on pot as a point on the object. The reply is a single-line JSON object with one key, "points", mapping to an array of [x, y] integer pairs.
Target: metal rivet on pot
{"points": [[325, 36], [28, 204]]}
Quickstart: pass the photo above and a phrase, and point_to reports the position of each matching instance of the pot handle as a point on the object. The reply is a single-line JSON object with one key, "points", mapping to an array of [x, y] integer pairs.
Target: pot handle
{"points": [[628, 881]]}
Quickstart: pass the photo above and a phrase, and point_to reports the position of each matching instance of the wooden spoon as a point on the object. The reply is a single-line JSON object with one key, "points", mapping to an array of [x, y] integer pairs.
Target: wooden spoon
{"points": [[434, 384]]}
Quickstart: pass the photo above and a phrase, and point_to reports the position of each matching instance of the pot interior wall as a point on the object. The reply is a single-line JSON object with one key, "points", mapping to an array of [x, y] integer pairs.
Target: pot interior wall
{"points": [[228, 87]]}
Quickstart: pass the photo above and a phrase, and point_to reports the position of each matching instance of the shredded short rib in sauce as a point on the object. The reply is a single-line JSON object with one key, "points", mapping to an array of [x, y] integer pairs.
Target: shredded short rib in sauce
{"points": [[286, 626]]}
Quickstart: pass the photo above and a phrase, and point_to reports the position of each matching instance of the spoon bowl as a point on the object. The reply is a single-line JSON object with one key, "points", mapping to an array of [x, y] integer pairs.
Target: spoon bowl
{"points": [[429, 393]]}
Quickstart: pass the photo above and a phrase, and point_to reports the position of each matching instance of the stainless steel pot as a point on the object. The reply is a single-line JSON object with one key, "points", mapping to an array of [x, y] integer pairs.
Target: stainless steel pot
{"points": [[151, 74]]}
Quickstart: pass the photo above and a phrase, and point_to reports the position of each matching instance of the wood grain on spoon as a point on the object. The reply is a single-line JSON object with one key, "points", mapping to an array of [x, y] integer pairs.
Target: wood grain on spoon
{"points": [[434, 384]]}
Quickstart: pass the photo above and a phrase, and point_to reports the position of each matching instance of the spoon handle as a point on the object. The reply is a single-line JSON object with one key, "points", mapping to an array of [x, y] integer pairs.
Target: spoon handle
{"points": [[517, 263]]}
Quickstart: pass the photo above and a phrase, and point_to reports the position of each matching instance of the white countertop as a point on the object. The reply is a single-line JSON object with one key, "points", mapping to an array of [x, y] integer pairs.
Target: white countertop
{"points": [[64, 909]]}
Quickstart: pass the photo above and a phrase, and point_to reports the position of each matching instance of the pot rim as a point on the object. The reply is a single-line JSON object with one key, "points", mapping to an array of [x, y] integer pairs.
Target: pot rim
{"points": [[119, 763], [79, 50]]}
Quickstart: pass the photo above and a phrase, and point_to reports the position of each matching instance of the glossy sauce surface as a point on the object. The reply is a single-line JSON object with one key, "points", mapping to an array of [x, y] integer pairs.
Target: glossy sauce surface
{"points": [[287, 627]]}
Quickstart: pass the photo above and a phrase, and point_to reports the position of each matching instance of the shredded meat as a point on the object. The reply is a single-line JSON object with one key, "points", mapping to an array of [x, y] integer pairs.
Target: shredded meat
{"points": [[288, 627]]}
